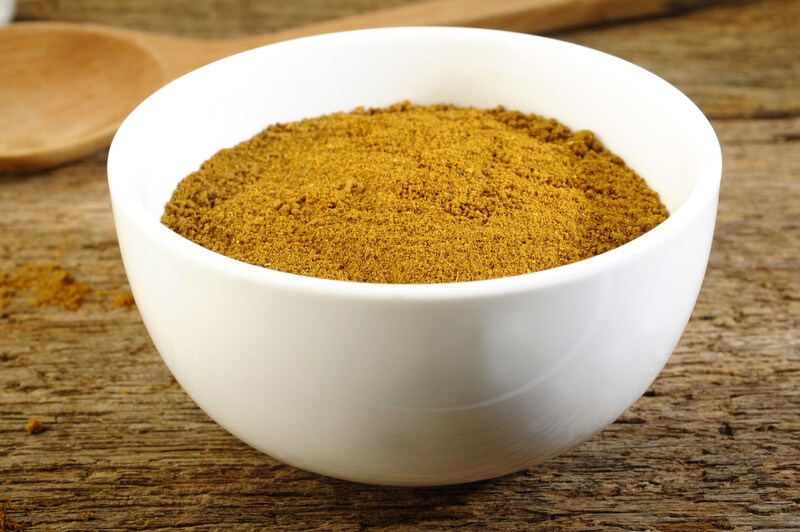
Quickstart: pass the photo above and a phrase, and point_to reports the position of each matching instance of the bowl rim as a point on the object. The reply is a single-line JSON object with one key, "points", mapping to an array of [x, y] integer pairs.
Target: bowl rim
{"points": [[702, 193]]}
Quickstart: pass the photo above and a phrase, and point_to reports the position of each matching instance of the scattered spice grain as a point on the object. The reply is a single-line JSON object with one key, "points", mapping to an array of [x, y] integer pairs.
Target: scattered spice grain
{"points": [[123, 300], [414, 194], [7, 525], [34, 426]]}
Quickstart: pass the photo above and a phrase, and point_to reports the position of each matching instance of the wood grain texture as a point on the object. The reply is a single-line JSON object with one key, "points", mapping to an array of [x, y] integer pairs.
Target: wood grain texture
{"points": [[712, 445]]}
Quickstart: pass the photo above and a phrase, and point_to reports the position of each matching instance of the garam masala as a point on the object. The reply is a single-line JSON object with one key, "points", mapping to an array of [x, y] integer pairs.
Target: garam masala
{"points": [[414, 194]]}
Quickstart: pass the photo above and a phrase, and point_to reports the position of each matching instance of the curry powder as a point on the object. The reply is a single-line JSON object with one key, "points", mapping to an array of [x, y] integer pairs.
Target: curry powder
{"points": [[414, 194], [45, 284]]}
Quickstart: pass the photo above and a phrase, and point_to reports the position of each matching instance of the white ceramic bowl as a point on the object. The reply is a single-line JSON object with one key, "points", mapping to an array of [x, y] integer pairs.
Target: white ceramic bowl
{"points": [[7, 10], [416, 384]]}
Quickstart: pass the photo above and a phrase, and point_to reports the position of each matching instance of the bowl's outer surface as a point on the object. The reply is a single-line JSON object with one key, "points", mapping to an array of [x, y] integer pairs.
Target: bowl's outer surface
{"points": [[416, 384]]}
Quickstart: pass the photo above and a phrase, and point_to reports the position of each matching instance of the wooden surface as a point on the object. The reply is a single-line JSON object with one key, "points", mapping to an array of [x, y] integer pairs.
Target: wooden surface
{"points": [[712, 445]]}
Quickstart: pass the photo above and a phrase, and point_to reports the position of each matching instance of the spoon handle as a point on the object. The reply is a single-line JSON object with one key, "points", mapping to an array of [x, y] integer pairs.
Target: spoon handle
{"points": [[529, 16]]}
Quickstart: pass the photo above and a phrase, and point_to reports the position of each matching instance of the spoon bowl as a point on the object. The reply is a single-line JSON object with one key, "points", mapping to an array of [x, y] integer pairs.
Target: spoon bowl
{"points": [[105, 74]]}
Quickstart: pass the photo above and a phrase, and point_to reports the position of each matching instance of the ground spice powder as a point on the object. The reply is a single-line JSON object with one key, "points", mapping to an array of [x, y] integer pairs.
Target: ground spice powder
{"points": [[34, 426], [414, 194], [45, 284], [7, 525]]}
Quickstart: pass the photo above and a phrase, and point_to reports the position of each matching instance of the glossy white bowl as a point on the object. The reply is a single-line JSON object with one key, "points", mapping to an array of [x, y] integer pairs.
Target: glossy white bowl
{"points": [[416, 384]]}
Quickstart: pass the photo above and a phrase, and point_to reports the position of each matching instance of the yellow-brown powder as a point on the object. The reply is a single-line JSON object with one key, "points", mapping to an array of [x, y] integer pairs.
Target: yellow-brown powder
{"points": [[414, 194], [123, 300], [44, 284], [7, 525], [34, 426]]}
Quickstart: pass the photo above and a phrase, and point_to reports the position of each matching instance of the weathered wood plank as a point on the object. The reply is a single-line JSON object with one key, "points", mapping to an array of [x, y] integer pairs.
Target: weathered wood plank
{"points": [[712, 445]]}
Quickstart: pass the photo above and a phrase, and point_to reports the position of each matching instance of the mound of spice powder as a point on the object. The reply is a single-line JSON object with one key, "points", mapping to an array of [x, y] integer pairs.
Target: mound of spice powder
{"points": [[414, 194]]}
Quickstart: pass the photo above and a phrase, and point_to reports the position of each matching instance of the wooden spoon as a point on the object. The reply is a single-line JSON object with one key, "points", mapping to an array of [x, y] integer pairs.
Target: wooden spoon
{"points": [[65, 88]]}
